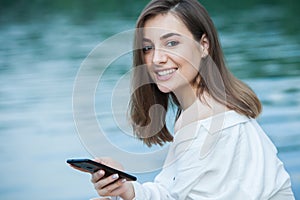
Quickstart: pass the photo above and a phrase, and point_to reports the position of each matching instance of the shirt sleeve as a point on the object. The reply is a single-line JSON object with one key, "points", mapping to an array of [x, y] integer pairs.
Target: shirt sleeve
{"points": [[261, 173], [244, 165]]}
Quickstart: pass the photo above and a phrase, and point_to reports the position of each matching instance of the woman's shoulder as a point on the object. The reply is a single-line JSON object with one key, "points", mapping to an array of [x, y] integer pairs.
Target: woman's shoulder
{"points": [[206, 132], [226, 128], [223, 121], [215, 123]]}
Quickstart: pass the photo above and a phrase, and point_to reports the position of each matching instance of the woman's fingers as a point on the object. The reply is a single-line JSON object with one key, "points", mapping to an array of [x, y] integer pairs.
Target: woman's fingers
{"points": [[105, 181], [109, 185], [117, 188], [97, 176]]}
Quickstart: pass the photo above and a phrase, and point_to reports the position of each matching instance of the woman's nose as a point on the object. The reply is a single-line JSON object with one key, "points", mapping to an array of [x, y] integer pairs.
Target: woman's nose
{"points": [[159, 57]]}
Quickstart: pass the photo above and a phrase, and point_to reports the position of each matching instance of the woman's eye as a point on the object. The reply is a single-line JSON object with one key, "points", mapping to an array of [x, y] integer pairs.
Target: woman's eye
{"points": [[147, 48], [172, 43]]}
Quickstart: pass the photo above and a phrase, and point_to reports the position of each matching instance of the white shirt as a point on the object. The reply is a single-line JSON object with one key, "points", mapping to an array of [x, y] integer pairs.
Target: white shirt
{"points": [[227, 156]]}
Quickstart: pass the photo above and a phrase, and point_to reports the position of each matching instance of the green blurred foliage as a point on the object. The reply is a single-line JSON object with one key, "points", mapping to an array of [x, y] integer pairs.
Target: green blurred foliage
{"points": [[82, 11], [18, 9], [128, 8]]}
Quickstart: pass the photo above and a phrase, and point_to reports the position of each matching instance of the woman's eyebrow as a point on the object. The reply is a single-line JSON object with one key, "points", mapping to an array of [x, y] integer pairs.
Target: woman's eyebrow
{"points": [[163, 37], [146, 40], [168, 35]]}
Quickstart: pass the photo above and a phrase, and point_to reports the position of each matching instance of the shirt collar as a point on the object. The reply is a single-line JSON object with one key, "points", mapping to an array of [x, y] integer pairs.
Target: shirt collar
{"points": [[223, 121], [212, 125]]}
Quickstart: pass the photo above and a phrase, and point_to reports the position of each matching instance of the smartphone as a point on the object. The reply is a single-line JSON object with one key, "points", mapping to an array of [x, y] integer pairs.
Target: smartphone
{"points": [[92, 166]]}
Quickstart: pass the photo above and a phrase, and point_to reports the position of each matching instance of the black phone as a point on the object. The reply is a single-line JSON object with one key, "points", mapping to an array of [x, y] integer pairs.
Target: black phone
{"points": [[92, 166]]}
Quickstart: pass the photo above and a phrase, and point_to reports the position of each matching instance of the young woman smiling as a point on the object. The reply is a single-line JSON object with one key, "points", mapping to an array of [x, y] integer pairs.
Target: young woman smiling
{"points": [[218, 150]]}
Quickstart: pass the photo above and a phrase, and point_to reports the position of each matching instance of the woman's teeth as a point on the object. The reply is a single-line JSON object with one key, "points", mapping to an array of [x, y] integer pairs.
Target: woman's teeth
{"points": [[166, 72]]}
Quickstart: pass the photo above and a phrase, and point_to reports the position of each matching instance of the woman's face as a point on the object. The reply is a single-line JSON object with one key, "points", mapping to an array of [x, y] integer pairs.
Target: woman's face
{"points": [[171, 54]]}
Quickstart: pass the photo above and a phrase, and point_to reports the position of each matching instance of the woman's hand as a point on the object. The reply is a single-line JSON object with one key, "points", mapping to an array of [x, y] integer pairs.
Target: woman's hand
{"points": [[112, 185]]}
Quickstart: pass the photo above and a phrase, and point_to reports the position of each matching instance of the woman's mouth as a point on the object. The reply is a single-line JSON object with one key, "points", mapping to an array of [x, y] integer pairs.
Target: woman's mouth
{"points": [[164, 75]]}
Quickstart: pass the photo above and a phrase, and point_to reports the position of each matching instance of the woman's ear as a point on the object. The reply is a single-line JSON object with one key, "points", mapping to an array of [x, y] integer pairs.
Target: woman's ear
{"points": [[204, 43]]}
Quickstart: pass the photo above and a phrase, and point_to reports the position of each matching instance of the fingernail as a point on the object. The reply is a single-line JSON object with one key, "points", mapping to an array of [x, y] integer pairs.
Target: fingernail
{"points": [[101, 172], [123, 180], [115, 176]]}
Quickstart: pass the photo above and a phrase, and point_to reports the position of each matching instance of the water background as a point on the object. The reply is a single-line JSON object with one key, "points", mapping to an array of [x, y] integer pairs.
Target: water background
{"points": [[43, 44]]}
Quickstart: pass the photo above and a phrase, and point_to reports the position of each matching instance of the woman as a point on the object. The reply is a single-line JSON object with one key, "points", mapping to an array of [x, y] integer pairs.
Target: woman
{"points": [[218, 150]]}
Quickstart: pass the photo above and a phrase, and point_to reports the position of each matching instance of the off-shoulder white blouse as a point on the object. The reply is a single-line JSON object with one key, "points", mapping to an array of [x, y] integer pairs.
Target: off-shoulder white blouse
{"points": [[227, 156]]}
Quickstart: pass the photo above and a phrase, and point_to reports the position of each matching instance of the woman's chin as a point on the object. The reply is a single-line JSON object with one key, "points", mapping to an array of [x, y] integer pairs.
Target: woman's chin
{"points": [[164, 88]]}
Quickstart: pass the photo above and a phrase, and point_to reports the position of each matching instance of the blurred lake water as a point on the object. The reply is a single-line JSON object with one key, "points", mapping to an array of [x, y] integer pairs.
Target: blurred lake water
{"points": [[44, 44]]}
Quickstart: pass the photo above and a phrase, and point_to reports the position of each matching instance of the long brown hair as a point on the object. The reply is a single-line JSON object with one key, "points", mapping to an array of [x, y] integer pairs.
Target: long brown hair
{"points": [[148, 121]]}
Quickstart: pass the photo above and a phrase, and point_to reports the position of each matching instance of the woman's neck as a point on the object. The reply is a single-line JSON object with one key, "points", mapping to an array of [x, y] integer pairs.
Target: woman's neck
{"points": [[186, 97], [201, 108]]}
